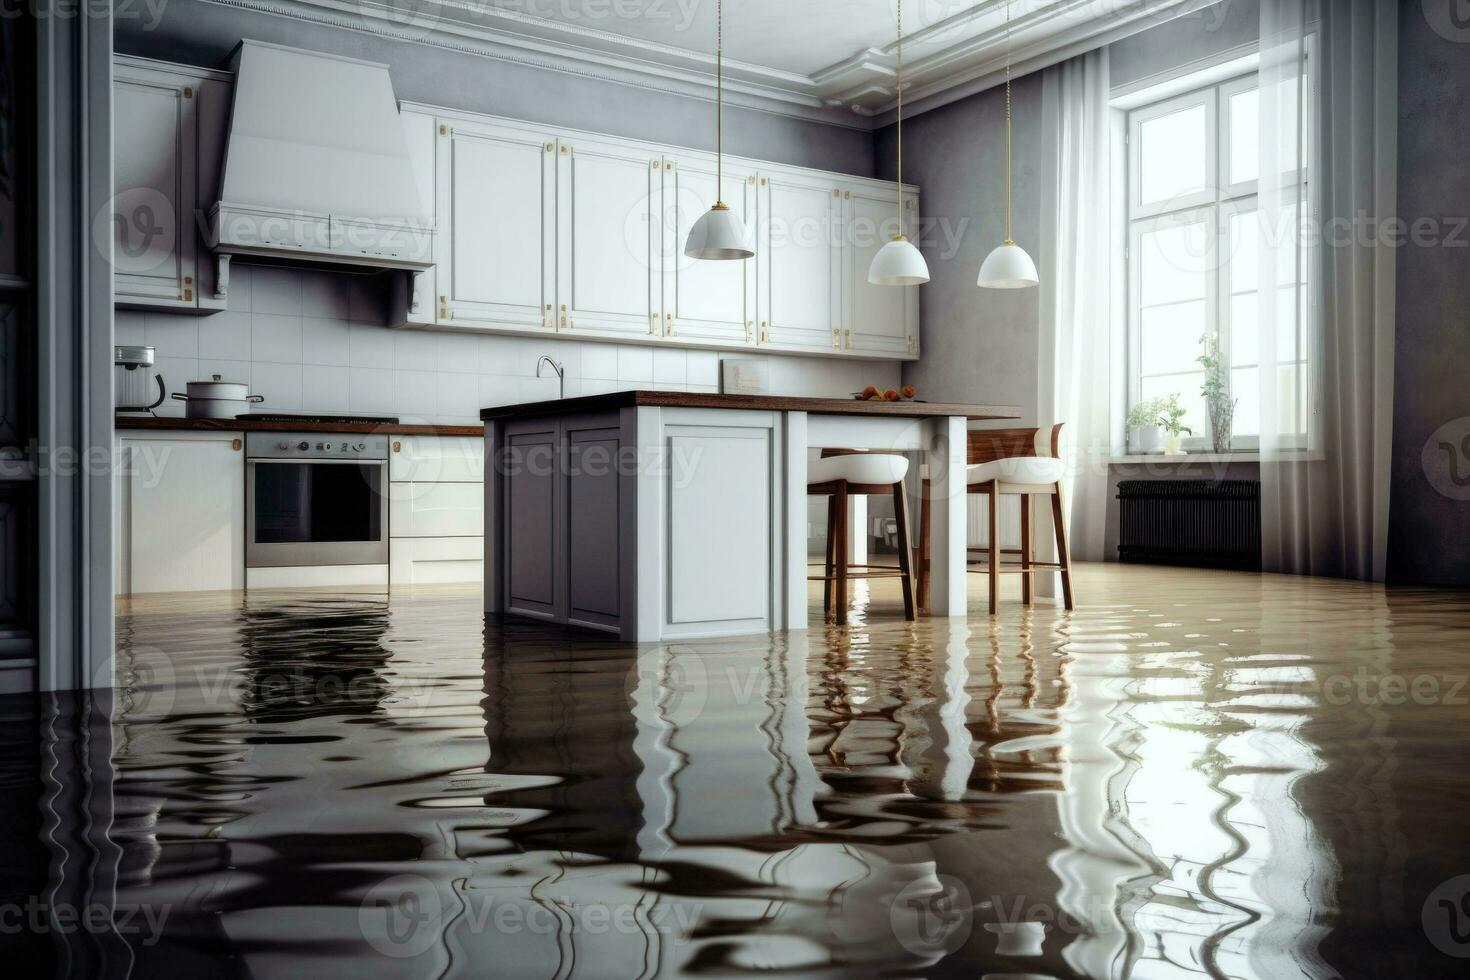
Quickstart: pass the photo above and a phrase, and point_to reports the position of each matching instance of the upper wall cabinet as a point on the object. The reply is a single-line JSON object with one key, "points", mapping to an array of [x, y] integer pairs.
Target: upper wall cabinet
{"points": [[169, 129], [709, 302], [877, 320], [495, 212], [609, 265], [799, 270]]}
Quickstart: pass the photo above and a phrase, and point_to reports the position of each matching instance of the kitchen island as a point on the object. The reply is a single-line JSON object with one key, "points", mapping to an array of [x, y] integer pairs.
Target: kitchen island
{"points": [[661, 515]]}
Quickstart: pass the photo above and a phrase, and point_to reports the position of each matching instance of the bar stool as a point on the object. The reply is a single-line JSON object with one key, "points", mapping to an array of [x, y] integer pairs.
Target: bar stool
{"points": [[1025, 463], [839, 474]]}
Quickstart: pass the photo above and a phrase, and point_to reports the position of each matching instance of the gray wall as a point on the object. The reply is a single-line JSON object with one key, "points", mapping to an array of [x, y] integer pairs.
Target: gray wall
{"points": [[1200, 35], [202, 34], [979, 345], [1429, 533]]}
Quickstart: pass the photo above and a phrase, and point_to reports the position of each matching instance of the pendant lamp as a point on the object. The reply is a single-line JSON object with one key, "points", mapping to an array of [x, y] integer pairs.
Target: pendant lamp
{"points": [[1008, 266], [899, 263], [719, 233]]}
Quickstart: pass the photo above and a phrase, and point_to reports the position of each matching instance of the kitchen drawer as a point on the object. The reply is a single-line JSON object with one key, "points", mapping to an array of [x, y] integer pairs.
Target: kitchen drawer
{"points": [[437, 459], [436, 510], [426, 561]]}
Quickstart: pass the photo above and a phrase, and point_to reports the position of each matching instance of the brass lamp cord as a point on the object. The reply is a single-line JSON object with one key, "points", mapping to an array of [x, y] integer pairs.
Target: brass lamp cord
{"points": [[1008, 239], [899, 86], [719, 104]]}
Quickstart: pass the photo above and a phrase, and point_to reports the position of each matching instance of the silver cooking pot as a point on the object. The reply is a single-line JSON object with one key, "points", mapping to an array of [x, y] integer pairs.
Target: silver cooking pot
{"points": [[216, 399]]}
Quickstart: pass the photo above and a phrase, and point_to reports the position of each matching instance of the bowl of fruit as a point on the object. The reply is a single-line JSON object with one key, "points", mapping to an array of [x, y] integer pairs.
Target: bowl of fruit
{"points": [[872, 393]]}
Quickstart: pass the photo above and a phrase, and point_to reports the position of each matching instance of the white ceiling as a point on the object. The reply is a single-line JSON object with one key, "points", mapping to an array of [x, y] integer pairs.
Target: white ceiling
{"points": [[823, 59]]}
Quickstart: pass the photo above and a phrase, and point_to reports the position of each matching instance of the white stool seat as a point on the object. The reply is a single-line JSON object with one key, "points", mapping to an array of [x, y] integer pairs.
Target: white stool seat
{"points": [[1036, 471], [872, 468]]}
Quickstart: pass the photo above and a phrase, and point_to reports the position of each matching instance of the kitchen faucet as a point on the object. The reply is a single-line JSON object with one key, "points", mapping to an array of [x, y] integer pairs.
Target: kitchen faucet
{"points": [[561, 376]]}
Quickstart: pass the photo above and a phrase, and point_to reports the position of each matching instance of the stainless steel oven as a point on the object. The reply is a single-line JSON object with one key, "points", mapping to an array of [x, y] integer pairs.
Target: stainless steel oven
{"points": [[315, 499]]}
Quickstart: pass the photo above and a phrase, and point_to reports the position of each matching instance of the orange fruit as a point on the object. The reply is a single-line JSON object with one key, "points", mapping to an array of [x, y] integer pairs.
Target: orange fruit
{"points": [[871, 391], [908, 391], [890, 395]]}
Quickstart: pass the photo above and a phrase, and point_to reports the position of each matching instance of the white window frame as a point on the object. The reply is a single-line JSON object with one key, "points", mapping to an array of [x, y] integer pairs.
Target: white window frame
{"points": [[1219, 200]]}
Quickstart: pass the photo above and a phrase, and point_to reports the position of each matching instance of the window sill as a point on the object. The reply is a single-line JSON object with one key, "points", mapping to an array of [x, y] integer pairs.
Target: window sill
{"points": [[1185, 458], [1154, 459]]}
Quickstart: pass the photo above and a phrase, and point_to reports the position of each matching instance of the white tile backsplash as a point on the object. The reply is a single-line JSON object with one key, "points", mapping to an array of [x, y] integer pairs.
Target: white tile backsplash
{"points": [[275, 338], [325, 341], [324, 388], [635, 364], [314, 341], [281, 384], [225, 336]]}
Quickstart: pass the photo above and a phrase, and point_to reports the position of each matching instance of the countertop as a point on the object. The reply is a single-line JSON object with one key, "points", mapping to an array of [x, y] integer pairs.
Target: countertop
{"points": [[770, 403], [247, 425]]}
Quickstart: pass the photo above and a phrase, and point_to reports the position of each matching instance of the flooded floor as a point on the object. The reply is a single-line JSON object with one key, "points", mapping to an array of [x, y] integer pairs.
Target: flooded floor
{"points": [[1194, 774]]}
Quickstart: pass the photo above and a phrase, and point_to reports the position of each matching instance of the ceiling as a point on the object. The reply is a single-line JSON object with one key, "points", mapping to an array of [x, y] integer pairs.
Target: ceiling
{"points": [[832, 60]]}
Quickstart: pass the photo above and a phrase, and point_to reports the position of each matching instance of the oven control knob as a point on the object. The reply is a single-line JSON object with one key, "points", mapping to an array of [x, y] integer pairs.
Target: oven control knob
{"points": [[361, 446], [325, 446], [284, 447], [303, 446]]}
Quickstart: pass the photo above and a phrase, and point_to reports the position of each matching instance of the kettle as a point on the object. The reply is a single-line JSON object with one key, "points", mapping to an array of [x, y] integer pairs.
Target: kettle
{"points": [[131, 387]]}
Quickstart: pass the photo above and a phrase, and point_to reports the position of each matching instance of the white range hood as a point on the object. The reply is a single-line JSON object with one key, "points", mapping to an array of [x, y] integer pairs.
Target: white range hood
{"points": [[316, 165]]}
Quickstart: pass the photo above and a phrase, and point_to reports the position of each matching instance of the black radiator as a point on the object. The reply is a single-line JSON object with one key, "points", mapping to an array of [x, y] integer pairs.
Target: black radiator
{"points": [[1209, 523]]}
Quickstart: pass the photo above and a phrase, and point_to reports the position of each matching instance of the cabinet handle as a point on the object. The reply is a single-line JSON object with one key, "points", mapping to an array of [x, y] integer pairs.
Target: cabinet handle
{"points": [[550, 147], [235, 444], [836, 337], [188, 92], [398, 447], [849, 338], [188, 294], [443, 130]]}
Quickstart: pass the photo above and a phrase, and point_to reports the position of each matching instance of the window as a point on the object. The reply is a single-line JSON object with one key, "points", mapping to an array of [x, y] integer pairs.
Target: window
{"points": [[1194, 234]]}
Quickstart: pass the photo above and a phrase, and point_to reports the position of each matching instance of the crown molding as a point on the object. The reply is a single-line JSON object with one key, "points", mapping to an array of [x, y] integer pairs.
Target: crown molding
{"points": [[944, 61]]}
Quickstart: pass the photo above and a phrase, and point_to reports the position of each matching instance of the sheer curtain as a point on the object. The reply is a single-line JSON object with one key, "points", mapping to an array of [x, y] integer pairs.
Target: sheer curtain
{"points": [[1325, 268], [1077, 248]]}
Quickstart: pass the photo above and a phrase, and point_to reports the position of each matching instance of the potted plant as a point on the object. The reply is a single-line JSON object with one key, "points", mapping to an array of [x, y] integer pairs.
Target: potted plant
{"points": [[1145, 433], [1171, 415], [1216, 389]]}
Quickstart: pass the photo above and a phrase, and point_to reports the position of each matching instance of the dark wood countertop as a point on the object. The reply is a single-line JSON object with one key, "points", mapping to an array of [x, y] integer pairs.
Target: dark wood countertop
{"points": [[247, 425], [769, 403]]}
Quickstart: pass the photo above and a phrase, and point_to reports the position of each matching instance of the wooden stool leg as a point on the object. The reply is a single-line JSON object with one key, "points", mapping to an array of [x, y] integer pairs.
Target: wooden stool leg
{"points": [[842, 557], [830, 582], [993, 513], [1064, 556], [905, 562], [925, 520], [1026, 575]]}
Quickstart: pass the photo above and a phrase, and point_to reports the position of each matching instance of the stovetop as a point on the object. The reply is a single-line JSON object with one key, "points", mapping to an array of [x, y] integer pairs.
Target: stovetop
{"points": [[317, 419]]}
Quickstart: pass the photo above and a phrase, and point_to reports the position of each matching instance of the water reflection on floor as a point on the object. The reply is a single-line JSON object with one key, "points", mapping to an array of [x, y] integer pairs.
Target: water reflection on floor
{"points": [[1194, 774]]}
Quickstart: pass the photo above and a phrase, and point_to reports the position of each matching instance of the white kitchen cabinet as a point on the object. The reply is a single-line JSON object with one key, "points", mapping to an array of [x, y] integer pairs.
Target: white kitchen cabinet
{"points": [[879, 321], [799, 255], [436, 561], [609, 239], [169, 130], [180, 512], [436, 508], [711, 302], [495, 250]]}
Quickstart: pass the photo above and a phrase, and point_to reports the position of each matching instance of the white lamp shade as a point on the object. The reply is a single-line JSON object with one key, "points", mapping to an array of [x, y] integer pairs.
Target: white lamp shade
{"points": [[718, 234], [898, 263], [1008, 267]]}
